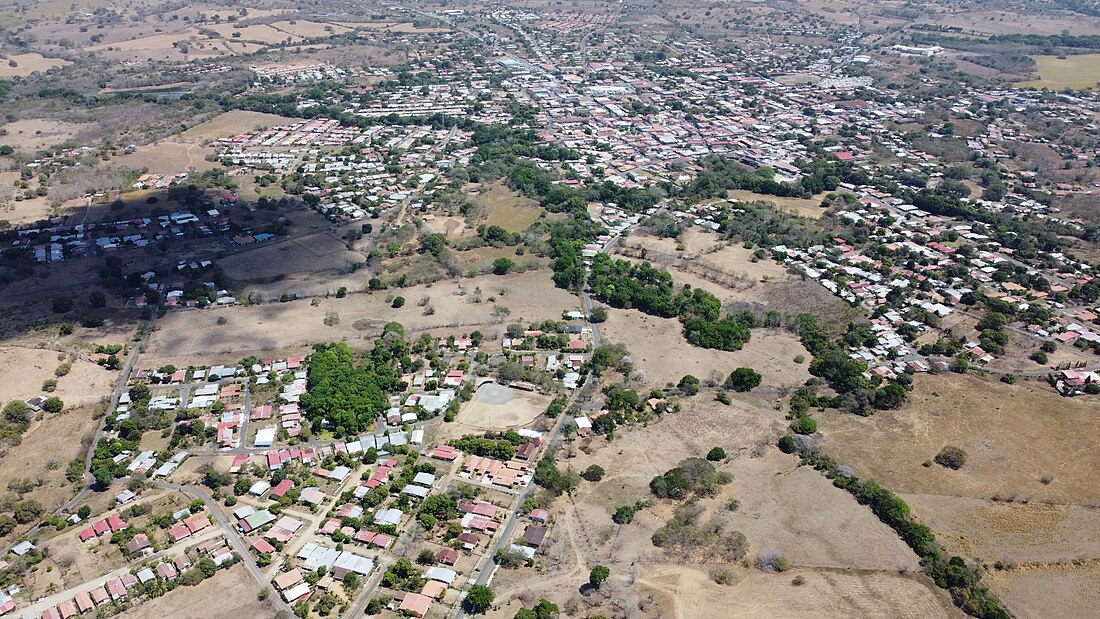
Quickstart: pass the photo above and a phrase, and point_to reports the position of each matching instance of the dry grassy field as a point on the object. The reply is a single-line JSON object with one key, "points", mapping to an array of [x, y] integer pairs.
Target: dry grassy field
{"points": [[803, 207], [229, 593], [25, 64], [506, 208], [23, 370], [658, 347], [42, 457], [38, 133], [1080, 71], [1026, 496], [273, 328], [792, 510]]}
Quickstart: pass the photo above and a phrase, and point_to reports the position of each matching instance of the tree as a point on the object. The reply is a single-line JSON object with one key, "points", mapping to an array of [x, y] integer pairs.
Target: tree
{"points": [[598, 314], [743, 379], [593, 473], [53, 405], [951, 457], [398, 302], [479, 599], [97, 299], [7, 524], [502, 265], [716, 454], [545, 609], [84, 512], [688, 385], [61, 305], [598, 575], [129, 431], [624, 514], [16, 412], [208, 567], [27, 511]]}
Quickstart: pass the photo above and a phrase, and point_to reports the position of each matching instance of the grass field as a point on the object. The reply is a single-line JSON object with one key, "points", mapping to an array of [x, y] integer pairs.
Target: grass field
{"points": [[803, 207], [25, 64], [506, 208], [1081, 71]]}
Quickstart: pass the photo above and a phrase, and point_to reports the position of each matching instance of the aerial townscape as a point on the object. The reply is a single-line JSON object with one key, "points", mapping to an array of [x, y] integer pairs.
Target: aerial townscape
{"points": [[600, 309]]}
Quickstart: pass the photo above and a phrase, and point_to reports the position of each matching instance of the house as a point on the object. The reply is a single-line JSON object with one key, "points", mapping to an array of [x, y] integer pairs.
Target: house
{"points": [[67, 609], [534, 535], [415, 604], [116, 589], [441, 574], [83, 602], [166, 571], [287, 580], [99, 596], [50, 613], [447, 556], [262, 546], [539, 515], [433, 589], [139, 543]]}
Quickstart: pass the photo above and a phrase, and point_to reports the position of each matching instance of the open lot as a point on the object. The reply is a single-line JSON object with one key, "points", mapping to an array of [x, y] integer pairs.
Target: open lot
{"points": [[35, 134], [42, 457], [658, 347], [229, 593], [1026, 496], [803, 207], [22, 65], [793, 510], [23, 370], [1079, 71], [506, 208], [497, 408], [284, 328]]}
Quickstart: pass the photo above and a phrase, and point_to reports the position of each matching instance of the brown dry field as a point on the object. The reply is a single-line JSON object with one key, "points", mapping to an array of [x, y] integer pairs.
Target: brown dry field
{"points": [[658, 347], [231, 123], [184, 337], [1016, 437], [23, 370], [39, 133], [313, 259], [28, 63], [506, 208], [994, 22], [486, 412], [40, 446], [258, 32], [1013, 435], [784, 507], [229, 593], [803, 207]]}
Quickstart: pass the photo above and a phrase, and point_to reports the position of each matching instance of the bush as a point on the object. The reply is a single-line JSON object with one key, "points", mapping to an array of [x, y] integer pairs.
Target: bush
{"points": [[1039, 357], [598, 575], [688, 385], [787, 445], [479, 599], [53, 405], [804, 425], [61, 305], [49, 385], [398, 302], [743, 379], [501, 266], [598, 314], [1009, 379], [951, 457], [716, 454], [624, 514]]}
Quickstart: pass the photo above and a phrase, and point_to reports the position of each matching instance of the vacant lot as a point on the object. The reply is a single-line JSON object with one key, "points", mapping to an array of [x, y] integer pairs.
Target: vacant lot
{"points": [[1015, 436], [783, 507], [42, 457], [23, 370], [22, 65], [497, 408], [1081, 71], [38, 133], [803, 207], [658, 347], [229, 593], [1026, 496], [273, 328], [506, 208], [231, 123], [308, 259]]}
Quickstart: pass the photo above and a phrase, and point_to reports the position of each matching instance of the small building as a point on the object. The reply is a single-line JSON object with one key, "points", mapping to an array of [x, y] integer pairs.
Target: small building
{"points": [[415, 604], [535, 535]]}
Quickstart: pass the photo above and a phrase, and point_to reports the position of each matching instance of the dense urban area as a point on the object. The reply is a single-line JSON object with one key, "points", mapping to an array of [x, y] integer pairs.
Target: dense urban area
{"points": [[613, 309]]}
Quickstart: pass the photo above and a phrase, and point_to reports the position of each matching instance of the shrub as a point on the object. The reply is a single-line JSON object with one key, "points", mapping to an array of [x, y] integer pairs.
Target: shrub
{"points": [[716, 454], [1039, 357], [53, 405], [688, 385], [61, 305], [951, 457], [49, 385], [598, 575], [501, 266], [1009, 379], [479, 599], [398, 302], [624, 515], [804, 425], [787, 444], [598, 314]]}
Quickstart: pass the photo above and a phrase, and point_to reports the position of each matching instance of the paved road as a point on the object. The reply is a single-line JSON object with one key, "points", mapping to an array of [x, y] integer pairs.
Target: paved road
{"points": [[231, 534]]}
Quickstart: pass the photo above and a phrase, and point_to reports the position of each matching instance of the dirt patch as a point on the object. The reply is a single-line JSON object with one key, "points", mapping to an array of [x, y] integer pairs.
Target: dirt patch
{"points": [[496, 407], [41, 457], [312, 256], [665, 356]]}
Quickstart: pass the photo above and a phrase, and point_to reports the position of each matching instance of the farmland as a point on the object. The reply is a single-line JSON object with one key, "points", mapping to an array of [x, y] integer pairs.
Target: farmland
{"points": [[1056, 73]]}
